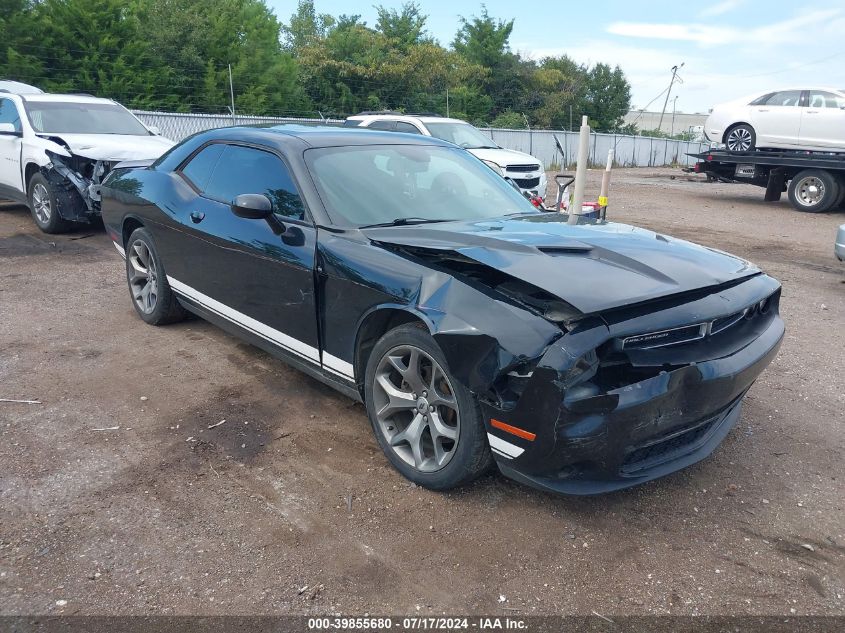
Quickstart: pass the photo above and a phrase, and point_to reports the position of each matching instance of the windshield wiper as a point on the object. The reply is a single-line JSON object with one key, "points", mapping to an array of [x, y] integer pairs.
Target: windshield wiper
{"points": [[403, 222]]}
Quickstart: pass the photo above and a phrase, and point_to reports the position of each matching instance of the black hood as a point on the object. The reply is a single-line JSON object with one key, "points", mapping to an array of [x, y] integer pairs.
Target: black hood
{"points": [[593, 267]]}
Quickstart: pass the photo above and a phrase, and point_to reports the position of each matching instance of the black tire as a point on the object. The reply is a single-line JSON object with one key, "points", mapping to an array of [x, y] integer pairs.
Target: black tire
{"points": [[741, 138], [814, 191], [470, 453], [166, 307], [44, 206]]}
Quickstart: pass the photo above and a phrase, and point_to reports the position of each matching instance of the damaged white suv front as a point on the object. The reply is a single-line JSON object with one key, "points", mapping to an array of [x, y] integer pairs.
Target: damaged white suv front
{"points": [[55, 150]]}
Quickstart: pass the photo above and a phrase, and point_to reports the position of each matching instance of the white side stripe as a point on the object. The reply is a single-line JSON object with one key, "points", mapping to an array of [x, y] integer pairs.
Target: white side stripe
{"points": [[504, 448], [120, 249], [338, 366], [274, 336]]}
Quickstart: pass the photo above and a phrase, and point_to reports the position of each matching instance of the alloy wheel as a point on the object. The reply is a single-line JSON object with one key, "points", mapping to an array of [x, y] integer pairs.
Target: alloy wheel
{"points": [[41, 203], [416, 408], [143, 279], [739, 139]]}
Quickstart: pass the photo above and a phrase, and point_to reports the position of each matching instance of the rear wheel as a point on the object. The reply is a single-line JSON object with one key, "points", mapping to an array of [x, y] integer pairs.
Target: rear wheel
{"points": [[152, 297], [427, 423], [741, 138], [814, 191], [44, 207]]}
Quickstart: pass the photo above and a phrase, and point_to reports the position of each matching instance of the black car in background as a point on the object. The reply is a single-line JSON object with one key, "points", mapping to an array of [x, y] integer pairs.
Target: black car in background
{"points": [[405, 273]]}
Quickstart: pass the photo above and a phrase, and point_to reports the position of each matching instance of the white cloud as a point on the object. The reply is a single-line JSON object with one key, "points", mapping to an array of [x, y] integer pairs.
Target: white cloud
{"points": [[791, 29], [720, 8]]}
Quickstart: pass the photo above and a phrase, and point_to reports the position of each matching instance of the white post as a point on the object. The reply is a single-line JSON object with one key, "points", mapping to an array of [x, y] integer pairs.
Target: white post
{"points": [[605, 183], [577, 201]]}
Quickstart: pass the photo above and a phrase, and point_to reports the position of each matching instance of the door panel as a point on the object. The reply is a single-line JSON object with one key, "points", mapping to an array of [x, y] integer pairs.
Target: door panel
{"points": [[11, 184], [778, 120], [823, 122], [257, 273]]}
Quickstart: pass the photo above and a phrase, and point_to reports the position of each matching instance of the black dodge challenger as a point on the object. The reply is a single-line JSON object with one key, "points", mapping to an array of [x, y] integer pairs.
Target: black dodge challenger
{"points": [[404, 272]]}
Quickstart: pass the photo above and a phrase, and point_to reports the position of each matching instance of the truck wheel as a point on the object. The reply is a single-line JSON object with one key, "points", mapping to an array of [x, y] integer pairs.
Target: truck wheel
{"points": [[44, 207], [741, 138], [813, 191]]}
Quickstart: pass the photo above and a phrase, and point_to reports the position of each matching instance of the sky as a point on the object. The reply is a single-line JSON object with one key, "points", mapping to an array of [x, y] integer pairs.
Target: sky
{"points": [[728, 48]]}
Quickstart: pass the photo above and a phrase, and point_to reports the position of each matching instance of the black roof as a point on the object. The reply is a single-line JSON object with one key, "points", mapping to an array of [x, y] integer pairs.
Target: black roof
{"points": [[294, 138], [323, 135]]}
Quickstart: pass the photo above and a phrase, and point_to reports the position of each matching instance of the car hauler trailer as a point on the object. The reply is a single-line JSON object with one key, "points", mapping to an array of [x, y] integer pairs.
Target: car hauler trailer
{"points": [[814, 181]]}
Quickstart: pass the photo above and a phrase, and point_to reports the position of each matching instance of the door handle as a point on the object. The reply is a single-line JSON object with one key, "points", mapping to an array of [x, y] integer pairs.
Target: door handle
{"points": [[812, 111], [197, 216], [763, 110]]}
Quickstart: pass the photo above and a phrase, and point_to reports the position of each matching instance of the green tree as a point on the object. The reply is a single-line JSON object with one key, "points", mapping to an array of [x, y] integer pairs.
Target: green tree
{"points": [[306, 27], [403, 28], [509, 119], [607, 97]]}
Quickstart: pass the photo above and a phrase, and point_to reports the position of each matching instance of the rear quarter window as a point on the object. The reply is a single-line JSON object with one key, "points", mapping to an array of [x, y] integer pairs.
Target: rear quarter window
{"points": [[200, 167]]}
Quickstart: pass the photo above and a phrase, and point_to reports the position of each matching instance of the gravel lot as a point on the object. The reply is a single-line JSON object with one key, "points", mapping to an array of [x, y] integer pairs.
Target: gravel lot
{"points": [[290, 507]]}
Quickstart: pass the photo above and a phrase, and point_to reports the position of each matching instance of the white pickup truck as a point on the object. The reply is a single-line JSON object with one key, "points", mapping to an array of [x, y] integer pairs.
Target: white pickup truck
{"points": [[55, 151]]}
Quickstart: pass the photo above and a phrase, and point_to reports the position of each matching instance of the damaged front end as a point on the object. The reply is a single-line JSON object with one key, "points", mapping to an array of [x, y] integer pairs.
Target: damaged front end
{"points": [[602, 356], [76, 184], [637, 392]]}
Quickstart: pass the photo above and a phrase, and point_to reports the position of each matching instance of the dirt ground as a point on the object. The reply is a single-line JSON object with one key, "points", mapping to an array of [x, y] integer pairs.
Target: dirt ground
{"points": [[290, 507]]}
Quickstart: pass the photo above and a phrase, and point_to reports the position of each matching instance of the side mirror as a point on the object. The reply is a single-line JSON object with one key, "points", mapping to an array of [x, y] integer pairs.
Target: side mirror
{"points": [[9, 130], [512, 183], [252, 206], [154, 129]]}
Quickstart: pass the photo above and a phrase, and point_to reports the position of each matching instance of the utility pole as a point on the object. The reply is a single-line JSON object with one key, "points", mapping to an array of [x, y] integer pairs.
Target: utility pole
{"points": [[232, 95], [668, 92], [674, 104], [570, 118], [447, 102]]}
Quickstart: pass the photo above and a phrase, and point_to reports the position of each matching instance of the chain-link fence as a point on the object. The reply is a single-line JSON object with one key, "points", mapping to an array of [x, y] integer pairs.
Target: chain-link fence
{"points": [[630, 151]]}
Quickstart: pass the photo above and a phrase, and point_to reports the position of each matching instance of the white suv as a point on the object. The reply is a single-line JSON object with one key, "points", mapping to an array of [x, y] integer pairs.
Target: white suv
{"points": [[524, 169], [55, 151]]}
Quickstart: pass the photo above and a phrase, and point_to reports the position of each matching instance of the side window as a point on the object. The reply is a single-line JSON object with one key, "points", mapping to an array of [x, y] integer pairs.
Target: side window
{"points": [[389, 126], [9, 114], [198, 171], [401, 126], [823, 99], [247, 170], [784, 98]]}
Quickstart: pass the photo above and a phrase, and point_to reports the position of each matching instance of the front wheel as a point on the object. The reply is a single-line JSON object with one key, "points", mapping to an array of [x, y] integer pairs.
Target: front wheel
{"points": [[44, 206], [427, 423], [741, 138], [813, 191]]}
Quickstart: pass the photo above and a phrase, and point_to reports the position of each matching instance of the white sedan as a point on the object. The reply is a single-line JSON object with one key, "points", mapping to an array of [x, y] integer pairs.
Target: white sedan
{"points": [[807, 119]]}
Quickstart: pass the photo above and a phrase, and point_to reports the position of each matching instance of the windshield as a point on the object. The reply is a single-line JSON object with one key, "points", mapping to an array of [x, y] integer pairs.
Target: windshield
{"points": [[55, 117], [383, 184], [462, 134]]}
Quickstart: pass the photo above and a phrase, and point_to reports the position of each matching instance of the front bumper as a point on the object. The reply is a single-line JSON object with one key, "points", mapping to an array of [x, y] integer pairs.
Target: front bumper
{"points": [[606, 441]]}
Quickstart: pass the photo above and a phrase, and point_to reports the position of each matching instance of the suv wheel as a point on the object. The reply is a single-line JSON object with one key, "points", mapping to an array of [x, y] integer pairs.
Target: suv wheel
{"points": [[427, 423], [44, 207]]}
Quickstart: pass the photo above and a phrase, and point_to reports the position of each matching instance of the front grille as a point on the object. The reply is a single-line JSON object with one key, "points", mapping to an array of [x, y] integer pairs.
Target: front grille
{"points": [[663, 450], [697, 331], [527, 183], [522, 168], [725, 322], [666, 337]]}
